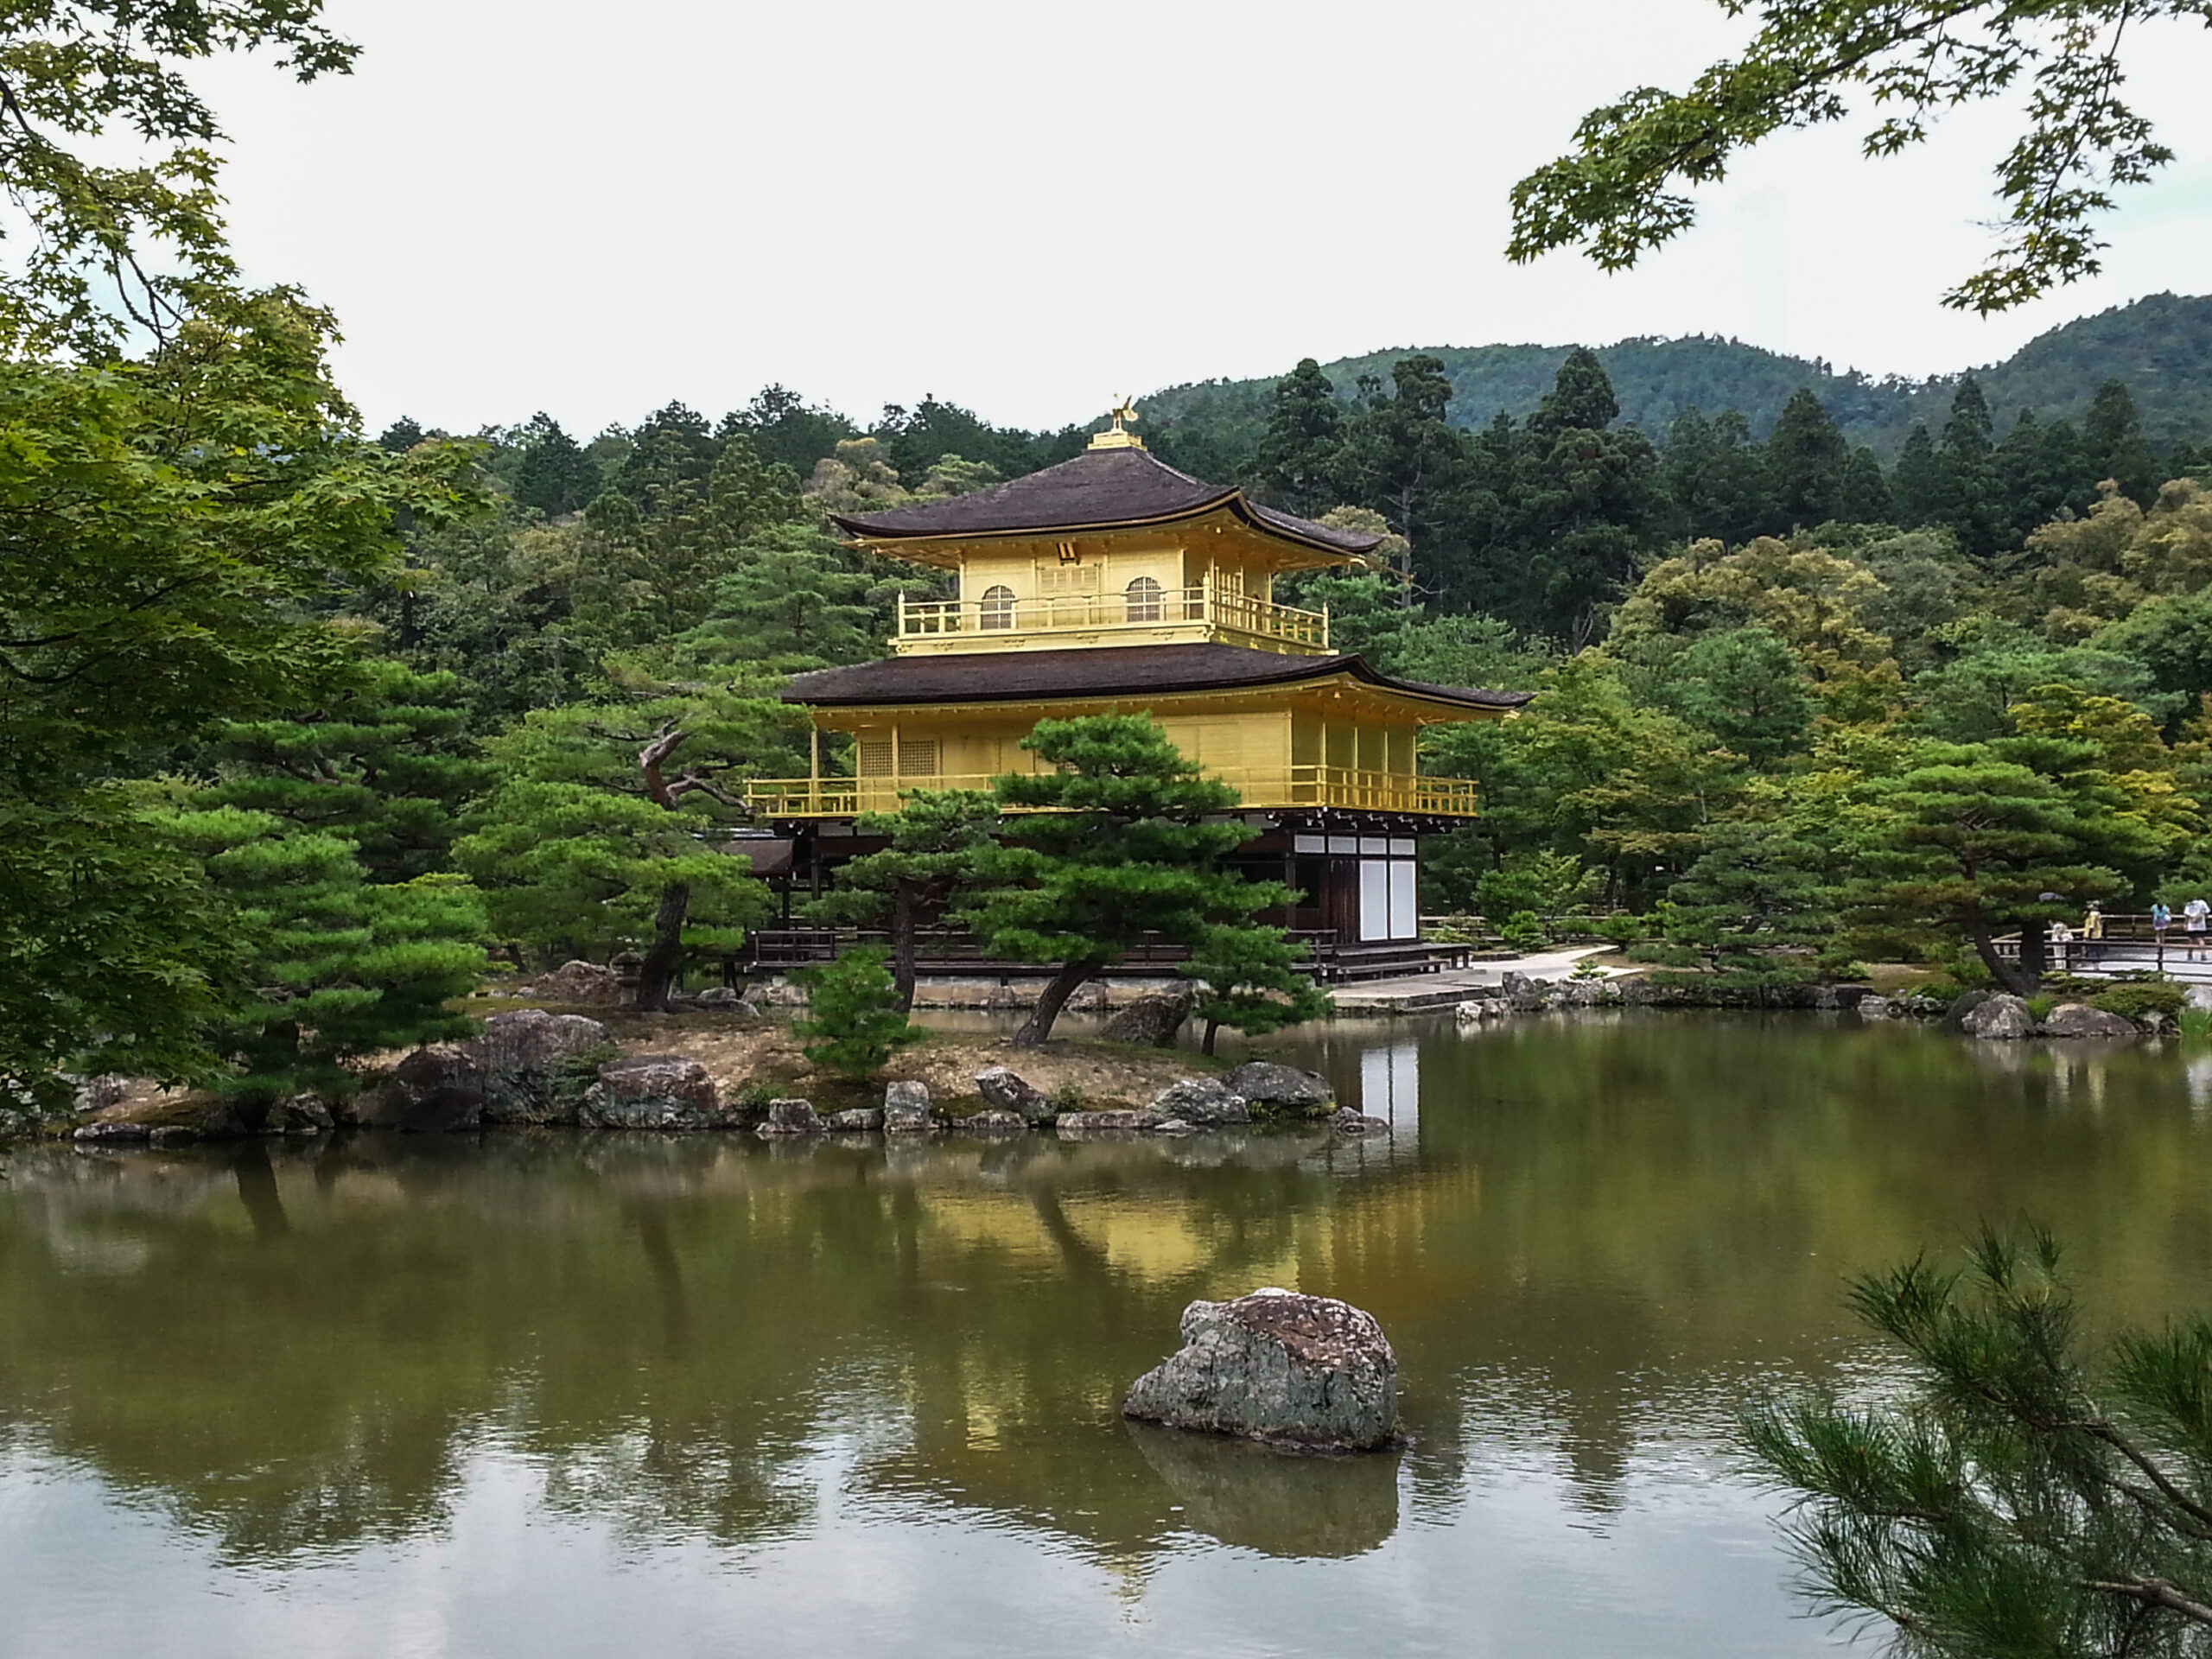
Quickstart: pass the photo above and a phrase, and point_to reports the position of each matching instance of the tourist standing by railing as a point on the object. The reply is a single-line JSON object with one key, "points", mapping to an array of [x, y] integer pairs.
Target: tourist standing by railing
{"points": [[2194, 915]]}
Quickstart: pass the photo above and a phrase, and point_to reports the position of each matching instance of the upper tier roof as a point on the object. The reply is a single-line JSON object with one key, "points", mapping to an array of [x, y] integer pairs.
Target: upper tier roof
{"points": [[1100, 489], [1112, 672]]}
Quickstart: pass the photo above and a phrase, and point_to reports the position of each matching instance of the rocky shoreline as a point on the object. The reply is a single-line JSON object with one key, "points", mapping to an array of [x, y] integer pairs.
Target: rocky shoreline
{"points": [[1993, 1015], [532, 1069]]}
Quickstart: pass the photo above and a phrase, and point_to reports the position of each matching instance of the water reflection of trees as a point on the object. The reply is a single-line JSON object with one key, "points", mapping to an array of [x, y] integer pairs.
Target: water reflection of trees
{"points": [[1603, 1234]]}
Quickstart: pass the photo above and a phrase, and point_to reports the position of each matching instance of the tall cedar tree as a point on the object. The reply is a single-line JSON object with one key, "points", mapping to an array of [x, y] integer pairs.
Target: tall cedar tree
{"points": [[939, 841], [2015, 1494], [554, 476], [1806, 458], [2112, 435], [1298, 464], [1404, 458], [1122, 838]]}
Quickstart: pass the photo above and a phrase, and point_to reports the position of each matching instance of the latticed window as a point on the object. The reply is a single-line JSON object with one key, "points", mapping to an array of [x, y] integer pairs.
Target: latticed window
{"points": [[918, 757], [1144, 596], [997, 608], [875, 757]]}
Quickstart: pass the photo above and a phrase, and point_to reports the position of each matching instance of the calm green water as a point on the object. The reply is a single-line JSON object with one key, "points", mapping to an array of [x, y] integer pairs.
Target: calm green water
{"points": [[552, 1395]]}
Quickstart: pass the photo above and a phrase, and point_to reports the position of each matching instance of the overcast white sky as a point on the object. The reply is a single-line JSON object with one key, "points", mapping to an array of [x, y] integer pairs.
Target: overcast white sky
{"points": [[1025, 207]]}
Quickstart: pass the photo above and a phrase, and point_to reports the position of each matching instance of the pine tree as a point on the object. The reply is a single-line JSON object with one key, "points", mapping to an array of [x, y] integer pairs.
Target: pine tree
{"points": [[1754, 910], [1403, 457], [789, 603], [383, 759], [854, 1014], [1806, 456], [1298, 463], [1248, 980], [1967, 842], [2011, 1494], [335, 967], [601, 832], [940, 839], [1125, 840], [1744, 687], [2112, 433]]}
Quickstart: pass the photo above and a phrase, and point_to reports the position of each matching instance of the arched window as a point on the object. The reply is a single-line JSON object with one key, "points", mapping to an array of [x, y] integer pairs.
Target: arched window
{"points": [[998, 607], [1144, 599]]}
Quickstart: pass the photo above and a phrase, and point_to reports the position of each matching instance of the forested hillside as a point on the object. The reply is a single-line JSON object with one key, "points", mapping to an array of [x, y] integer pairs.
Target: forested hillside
{"points": [[2161, 346]]}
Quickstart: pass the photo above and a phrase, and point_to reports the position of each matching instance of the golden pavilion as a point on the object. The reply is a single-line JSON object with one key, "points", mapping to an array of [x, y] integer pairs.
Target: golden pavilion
{"points": [[1114, 583]]}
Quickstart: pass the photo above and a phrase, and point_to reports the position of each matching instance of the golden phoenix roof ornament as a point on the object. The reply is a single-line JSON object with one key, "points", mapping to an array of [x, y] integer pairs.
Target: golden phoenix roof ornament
{"points": [[1118, 436]]}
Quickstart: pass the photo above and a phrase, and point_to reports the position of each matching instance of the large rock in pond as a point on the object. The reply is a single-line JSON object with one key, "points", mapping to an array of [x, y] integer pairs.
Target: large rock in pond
{"points": [[1349, 1122], [436, 1089], [1275, 1090], [652, 1091], [1955, 1015], [2006, 1017], [906, 1108], [1007, 1092], [531, 1064], [1151, 1021], [1281, 1366], [2080, 1019], [1203, 1103], [791, 1118]]}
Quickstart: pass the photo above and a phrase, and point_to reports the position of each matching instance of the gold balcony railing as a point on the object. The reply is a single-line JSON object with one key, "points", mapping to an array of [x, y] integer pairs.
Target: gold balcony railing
{"points": [[983, 621], [1347, 787]]}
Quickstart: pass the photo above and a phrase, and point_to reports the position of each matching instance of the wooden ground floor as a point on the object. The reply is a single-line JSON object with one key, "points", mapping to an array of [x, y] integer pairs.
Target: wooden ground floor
{"points": [[1358, 878]]}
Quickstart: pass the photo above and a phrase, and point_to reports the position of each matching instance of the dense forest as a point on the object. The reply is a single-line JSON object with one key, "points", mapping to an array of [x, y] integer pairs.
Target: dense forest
{"points": [[301, 724]]}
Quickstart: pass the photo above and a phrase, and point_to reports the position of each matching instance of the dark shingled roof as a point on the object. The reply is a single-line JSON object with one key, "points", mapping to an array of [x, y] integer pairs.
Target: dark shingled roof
{"points": [[1100, 489], [1102, 671]]}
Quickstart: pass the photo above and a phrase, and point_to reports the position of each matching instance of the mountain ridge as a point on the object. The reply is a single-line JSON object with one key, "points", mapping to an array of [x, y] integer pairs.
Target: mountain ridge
{"points": [[2161, 345]]}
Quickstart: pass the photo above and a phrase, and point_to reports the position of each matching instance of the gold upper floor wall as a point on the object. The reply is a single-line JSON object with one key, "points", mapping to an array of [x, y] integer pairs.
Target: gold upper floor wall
{"points": [[1209, 579]]}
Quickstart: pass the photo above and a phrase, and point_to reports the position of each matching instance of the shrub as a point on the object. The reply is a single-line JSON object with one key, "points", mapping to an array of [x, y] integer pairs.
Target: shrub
{"points": [[854, 1014], [2195, 1023], [2040, 1007], [2140, 997], [1523, 931]]}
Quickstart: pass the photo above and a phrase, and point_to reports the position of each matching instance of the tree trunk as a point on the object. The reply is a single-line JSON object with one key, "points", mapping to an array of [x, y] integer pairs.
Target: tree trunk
{"points": [[656, 973], [904, 946], [2006, 974], [2035, 957], [1039, 1026], [1212, 1026]]}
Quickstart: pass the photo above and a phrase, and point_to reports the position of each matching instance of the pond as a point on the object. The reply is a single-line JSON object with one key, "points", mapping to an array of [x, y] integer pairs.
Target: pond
{"points": [[549, 1395]]}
